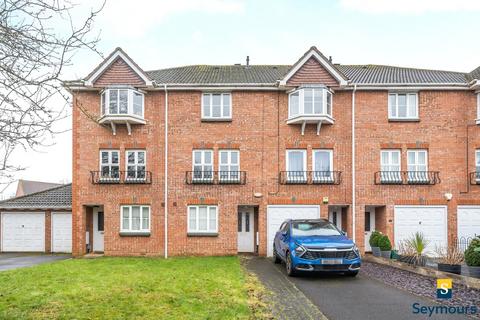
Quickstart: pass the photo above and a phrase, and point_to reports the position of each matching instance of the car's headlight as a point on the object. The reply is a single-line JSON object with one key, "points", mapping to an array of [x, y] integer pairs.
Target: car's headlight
{"points": [[299, 250], [355, 249]]}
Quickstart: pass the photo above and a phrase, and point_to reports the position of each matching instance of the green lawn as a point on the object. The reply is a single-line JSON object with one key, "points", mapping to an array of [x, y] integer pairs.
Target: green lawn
{"points": [[128, 288]]}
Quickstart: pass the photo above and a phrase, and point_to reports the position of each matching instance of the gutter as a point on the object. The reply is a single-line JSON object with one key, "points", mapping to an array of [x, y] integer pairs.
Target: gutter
{"points": [[165, 187], [353, 165]]}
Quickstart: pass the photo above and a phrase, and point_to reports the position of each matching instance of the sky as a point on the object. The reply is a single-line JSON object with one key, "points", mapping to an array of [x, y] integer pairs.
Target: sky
{"points": [[436, 34]]}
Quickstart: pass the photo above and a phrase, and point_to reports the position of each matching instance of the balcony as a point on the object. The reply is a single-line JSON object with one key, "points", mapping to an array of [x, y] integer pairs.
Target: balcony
{"points": [[407, 177], [215, 177], [475, 178], [310, 177], [121, 177]]}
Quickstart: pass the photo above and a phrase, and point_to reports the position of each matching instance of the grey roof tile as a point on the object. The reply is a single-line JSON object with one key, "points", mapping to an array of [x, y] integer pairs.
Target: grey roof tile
{"points": [[54, 198]]}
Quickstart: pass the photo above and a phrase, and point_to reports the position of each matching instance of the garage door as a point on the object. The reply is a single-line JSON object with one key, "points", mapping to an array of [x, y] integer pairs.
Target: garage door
{"points": [[278, 214], [468, 221], [61, 232], [23, 232], [430, 220]]}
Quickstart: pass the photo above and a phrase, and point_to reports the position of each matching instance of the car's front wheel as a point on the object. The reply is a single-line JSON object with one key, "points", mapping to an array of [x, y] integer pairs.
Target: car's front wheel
{"points": [[289, 265], [276, 258]]}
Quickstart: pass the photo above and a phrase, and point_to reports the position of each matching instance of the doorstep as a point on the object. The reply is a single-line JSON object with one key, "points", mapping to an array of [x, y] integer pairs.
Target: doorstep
{"points": [[425, 271], [93, 255]]}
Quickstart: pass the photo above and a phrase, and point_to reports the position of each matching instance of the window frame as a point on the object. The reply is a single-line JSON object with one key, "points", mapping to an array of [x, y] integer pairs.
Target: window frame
{"points": [[295, 176], [407, 117], [197, 211], [478, 108], [388, 177], [477, 165], [230, 176], [136, 164], [322, 177], [130, 230], [203, 164], [222, 117], [413, 175], [326, 92], [110, 164], [105, 102]]}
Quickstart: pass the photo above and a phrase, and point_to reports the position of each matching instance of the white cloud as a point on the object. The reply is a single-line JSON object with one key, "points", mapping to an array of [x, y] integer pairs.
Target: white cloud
{"points": [[133, 18], [410, 6]]}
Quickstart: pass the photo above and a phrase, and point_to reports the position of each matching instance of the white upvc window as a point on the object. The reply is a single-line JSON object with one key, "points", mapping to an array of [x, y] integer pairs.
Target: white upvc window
{"points": [[109, 164], [417, 165], [229, 165], [390, 165], [310, 101], [202, 165], [135, 218], [322, 165], [122, 101], [478, 108], [202, 219], [477, 165], [135, 164], [296, 165], [403, 106], [217, 106]]}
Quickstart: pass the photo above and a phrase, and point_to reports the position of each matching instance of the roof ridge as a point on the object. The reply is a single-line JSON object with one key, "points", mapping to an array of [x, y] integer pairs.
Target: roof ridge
{"points": [[36, 193], [399, 67], [221, 65]]}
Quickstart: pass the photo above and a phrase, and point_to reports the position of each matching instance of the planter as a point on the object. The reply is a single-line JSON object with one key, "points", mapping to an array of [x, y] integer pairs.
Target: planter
{"points": [[394, 255], [473, 271], [452, 268], [376, 251], [386, 254], [413, 260]]}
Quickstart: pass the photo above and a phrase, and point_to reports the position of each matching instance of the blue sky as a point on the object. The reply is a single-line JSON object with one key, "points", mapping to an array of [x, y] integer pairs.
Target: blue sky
{"points": [[438, 34]]}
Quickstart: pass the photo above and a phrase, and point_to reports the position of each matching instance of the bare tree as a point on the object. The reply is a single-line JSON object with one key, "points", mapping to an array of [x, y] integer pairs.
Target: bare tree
{"points": [[38, 39]]}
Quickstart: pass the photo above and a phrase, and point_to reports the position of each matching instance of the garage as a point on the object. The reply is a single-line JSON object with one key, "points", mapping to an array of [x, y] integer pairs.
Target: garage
{"points": [[61, 232], [430, 220], [23, 232], [468, 221], [276, 214]]}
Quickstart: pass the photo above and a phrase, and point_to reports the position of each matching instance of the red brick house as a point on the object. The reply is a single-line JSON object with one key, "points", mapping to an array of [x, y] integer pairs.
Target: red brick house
{"points": [[209, 160]]}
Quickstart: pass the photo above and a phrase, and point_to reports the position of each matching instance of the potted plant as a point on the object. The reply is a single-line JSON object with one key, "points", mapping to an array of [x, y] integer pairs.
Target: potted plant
{"points": [[450, 259], [385, 246], [373, 241], [413, 249], [472, 258]]}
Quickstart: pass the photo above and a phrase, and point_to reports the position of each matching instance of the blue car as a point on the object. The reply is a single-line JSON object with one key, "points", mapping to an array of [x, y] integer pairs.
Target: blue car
{"points": [[315, 245]]}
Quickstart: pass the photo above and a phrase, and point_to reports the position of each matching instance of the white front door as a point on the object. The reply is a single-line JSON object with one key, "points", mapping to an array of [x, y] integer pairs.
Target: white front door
{"points": [[61, 232], [98, 225], [23, 231], [335, 217], [369, 228], [246, 234]]}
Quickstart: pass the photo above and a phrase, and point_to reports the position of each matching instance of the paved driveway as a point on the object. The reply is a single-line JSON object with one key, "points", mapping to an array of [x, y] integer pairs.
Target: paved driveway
{"points": [[344, 298], [19, 260]]}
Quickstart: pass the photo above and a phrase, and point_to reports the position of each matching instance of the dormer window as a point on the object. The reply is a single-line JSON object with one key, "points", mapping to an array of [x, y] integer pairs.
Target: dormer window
{"points": [[310, 104], [121, 105]]}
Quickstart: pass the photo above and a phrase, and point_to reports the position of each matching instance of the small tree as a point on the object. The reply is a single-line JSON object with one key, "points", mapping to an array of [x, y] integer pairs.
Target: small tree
{"points": [[374, 237], [384, 243], [472, 254]]}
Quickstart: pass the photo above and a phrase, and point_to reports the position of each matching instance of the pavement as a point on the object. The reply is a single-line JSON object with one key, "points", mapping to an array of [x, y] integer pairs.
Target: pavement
{"points": [[9, 261], [337, 296]]}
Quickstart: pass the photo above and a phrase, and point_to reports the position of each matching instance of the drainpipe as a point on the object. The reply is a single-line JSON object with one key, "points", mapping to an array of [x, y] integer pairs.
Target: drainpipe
{"points": [[165, 187], [354, 202]]}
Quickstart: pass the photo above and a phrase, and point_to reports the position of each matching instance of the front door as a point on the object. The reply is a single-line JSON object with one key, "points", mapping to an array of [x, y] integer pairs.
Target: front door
{"points": [[369, 228], [246, 232], [98, 230], [335, 217]]}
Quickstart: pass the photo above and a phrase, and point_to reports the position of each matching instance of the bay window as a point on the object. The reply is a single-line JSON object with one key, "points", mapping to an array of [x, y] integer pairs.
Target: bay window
{"points": [[122, 101], [310, 101]]}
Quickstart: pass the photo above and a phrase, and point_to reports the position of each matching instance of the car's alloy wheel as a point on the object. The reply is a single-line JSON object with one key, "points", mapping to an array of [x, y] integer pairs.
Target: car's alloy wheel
{"points": [[276, 258], [289, 265]]}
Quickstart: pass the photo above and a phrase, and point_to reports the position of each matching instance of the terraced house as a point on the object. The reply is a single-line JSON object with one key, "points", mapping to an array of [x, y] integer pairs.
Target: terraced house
{"points": [[210, 160]]}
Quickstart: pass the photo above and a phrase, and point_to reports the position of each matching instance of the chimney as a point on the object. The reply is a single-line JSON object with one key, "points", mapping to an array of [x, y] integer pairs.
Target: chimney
{"points": [[248, 61], [330, 59]]}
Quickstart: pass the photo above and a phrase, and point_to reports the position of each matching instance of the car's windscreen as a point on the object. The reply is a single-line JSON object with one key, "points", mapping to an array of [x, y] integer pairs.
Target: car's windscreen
{"points": [[316, 228]]}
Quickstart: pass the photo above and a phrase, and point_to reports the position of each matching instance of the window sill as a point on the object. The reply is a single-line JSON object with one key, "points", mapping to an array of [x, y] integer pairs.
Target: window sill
{"points": [[134, 233], [202, 234], [477, 121], [216, 119], [404, 120]]}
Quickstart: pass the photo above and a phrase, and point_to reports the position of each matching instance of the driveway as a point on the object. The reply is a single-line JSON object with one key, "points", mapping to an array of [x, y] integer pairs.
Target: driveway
{"points": [[343, 298], [10, 261]]}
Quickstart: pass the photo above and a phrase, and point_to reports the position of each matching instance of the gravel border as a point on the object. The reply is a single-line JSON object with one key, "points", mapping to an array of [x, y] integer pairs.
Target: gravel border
{"points": [[420, 285]]}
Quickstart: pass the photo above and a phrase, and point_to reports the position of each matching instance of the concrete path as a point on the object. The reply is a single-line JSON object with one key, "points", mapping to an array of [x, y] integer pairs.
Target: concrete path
{"points": [[10, 261]]}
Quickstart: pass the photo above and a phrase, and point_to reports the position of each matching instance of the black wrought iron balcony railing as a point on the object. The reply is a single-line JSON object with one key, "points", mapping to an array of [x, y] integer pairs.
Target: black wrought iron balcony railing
{"points": [[475, 178], [407, 177], [310, 177], [117, 177], [215, 177]]}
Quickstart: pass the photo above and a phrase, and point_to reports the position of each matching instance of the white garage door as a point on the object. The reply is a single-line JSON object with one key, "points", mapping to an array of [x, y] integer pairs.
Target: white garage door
{"points": [[23, 231], [430, 220], [468, 221], [61, 232], [278, 214]]}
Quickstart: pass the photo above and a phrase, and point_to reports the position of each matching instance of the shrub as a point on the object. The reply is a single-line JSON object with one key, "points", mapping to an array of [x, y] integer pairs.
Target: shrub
{"points": [[449, 255], [374, 237], [472, 254], [384, 243], [417, 243]]}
